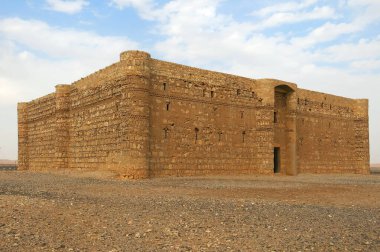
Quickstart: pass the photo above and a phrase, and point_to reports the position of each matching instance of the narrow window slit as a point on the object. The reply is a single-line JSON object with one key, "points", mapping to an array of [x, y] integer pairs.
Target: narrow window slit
{"points": [[275, 117], [220, 136], [166, 132], [196, 133]]}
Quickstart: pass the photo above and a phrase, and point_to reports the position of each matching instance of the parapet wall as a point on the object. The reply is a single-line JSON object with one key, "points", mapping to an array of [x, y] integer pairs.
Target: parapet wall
{"points": [[142, 117]]}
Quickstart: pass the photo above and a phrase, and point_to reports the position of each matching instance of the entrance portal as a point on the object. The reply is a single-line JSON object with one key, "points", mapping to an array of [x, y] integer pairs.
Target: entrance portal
{"points": [[276, 159], [285, 134]]}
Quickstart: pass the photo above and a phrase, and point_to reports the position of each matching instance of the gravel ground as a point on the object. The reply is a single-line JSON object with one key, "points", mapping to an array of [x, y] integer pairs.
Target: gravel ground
{"points": [[56, 212]]}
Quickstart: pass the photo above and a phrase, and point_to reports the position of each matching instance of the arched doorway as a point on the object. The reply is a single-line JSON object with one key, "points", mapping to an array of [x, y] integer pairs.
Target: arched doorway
{"points": [[284, 120]]}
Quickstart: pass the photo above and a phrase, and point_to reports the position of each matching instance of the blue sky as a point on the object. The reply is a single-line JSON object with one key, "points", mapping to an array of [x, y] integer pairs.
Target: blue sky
{"points": [[327, 46]]}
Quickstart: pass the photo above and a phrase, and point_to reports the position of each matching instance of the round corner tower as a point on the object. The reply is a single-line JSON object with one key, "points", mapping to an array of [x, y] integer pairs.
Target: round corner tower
{"points": [[135, 114]]}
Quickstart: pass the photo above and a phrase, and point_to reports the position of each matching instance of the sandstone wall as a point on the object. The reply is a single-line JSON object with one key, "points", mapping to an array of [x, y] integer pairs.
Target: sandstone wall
{"points": [[206, 123], [37, 134], [332, 134], [143, 117]]}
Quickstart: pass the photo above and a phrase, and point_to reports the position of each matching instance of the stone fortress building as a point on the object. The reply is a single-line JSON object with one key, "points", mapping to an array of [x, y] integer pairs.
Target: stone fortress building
{"points": [[143, 117]]}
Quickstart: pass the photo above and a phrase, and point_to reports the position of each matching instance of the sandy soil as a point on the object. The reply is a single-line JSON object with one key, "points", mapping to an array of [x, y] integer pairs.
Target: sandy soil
{"points": [[57, 212], [375, 168]]}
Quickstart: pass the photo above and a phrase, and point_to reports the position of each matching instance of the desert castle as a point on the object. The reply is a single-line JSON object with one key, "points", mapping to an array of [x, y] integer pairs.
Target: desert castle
{"points": [[143, 117]]}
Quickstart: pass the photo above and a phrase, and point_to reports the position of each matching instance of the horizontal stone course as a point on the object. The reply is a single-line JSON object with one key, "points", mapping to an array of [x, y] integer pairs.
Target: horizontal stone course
{"points": [[143, 117]]}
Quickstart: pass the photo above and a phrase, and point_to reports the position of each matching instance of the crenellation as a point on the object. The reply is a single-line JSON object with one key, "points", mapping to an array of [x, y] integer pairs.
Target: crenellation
{"points": [[143, 117]]}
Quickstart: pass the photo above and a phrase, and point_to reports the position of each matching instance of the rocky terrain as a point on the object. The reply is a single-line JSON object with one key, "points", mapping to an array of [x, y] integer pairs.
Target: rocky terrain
{"points": [[55, 212]]}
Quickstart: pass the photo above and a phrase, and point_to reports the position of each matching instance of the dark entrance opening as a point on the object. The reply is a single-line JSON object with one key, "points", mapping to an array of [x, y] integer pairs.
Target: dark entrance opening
{"points": [[276, 160]]}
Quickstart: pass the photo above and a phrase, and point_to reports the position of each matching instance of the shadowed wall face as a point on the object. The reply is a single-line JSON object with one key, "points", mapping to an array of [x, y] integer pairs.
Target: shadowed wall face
{"points": [[143, 117]]}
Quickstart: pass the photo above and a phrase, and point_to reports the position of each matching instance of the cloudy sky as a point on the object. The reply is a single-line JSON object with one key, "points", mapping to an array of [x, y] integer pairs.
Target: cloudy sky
{"points": [[324, 45]]}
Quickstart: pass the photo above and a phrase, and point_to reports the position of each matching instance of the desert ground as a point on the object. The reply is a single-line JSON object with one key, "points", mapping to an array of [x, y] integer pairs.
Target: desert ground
{"points": [[375, 168], [61, 212]]}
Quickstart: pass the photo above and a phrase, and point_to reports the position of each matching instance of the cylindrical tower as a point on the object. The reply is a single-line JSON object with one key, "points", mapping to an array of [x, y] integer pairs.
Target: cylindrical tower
{"points": [[62, 106], [135, 114], [23, 150]]}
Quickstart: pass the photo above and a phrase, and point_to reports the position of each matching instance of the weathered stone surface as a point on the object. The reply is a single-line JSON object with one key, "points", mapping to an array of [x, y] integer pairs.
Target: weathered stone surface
{"points": [[143, 117]]}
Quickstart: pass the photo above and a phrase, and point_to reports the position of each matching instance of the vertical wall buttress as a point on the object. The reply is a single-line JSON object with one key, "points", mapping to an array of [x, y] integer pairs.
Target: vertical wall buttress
{"points": [[62, 101], [291, 126], [23, 152], [362, 137]]}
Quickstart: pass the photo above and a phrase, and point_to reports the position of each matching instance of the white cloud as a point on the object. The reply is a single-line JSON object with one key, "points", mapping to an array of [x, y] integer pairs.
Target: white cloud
{"points": [[144, 7], [355, 3], [281, 18], [327, 32], [67, 6], [62, 43], [366, 65], [32, 53], [284, 7], [363, 50], [35, 56]]}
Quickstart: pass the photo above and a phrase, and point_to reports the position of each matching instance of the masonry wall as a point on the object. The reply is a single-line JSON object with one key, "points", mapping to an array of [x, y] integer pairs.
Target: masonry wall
{"points": [[332, 133], [206, 123], [37, 134], [142, 117]]}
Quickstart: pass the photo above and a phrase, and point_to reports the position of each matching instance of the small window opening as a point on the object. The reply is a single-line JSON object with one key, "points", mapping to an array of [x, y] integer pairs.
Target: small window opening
{"points": [[167, 106], [212, 94], [253, 94], [238, 92], [275, 117], [298, 101], [243, 135], [164, 86], [220, 136], [196, 133], [166, 132], [330, 107], [241, 114]]}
